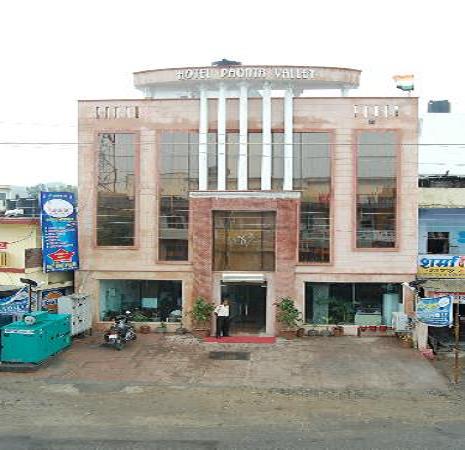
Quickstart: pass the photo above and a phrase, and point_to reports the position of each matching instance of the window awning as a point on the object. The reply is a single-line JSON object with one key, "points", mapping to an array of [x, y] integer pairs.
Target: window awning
{"points": [[243, 277]]}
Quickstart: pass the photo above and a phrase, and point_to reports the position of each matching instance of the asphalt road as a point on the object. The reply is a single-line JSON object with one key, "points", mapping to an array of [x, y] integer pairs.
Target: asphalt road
{"points": [[45, 415], [385, 435]]}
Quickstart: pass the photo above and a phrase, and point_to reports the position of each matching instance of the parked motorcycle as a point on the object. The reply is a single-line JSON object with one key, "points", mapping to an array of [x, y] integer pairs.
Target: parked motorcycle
{"points": [[121, 332]]}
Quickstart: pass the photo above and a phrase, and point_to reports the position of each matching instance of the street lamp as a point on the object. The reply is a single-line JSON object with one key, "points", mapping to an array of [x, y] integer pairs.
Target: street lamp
{"points": [[31, 284]]}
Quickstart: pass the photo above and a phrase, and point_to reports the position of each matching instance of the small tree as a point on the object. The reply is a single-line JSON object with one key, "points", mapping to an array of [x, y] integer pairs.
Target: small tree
{"points": [[287, 314], [201, 311]]}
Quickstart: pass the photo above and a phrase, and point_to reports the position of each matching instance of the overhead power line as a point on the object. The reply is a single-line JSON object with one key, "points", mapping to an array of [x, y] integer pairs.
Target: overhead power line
{"points": [[237, 143]]}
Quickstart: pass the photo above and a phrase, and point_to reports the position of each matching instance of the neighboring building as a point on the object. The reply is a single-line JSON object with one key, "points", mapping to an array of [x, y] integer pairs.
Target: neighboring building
{"points": [[9, 194], [231, 181], [21, 257], [441, 261]]}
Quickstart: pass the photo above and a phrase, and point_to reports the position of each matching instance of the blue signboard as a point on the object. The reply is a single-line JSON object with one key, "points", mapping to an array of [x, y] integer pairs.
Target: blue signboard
{"points": [[59, 231], [17, 302], [435, 311]]}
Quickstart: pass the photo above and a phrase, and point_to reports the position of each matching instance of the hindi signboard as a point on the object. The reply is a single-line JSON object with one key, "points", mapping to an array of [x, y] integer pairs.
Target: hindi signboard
{"points": [[17, 302], [435, 311], [441, 266], [59, 231]]}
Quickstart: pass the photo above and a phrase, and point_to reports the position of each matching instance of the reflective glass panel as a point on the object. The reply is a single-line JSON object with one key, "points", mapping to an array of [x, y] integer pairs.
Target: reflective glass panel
{"points": [[255, 161], [244, 240], [277, 170], [362, 304], [376, 189], [179, 165], [116, 190], [312, 175]]}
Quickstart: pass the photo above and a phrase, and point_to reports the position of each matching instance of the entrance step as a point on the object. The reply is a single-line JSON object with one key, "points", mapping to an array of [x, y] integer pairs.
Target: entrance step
{"points": [[242, 340]]}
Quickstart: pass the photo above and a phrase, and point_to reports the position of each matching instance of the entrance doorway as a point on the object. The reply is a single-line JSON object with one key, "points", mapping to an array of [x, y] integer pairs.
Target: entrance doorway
{"points": [[247, 307]]}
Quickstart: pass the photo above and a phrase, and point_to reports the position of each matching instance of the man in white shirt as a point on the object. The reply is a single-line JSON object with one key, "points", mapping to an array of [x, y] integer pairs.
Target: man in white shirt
{"points": [[222, 319]]}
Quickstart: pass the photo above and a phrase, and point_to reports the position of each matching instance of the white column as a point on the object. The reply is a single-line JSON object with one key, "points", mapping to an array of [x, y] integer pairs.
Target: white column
{"points": [[242, 172], [221, 139], [203, 133], [288, 139], [266, 136]]}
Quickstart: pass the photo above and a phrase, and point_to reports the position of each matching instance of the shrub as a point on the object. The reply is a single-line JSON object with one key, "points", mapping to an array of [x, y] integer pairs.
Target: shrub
{"points": [[286, 313], [201, 311]]}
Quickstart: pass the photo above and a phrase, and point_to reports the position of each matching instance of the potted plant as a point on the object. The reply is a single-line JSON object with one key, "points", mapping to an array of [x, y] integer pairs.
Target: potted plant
{"points": [[288, 317], [162, 328], [145, 329], [201, 314], [139, 317]]}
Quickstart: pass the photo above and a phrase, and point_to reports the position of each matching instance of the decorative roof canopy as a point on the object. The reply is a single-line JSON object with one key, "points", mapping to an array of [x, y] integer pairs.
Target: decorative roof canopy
{"points": [[189, 79]]}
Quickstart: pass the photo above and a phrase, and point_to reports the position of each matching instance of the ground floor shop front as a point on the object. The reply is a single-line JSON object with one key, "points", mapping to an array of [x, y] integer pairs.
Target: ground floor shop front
{"points": [[443, 338], [157, 298]]}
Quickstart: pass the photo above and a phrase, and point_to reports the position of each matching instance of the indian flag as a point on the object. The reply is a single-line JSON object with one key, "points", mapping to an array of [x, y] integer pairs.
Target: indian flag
{"points": [[404, 82]]}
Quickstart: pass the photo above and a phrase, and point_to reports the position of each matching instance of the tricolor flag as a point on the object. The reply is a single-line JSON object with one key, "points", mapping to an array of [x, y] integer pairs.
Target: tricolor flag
{"points": [[404, 82]]}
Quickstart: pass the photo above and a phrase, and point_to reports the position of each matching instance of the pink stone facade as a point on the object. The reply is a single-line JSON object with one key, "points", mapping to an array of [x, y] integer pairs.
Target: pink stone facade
{"points": [[334, 115]]}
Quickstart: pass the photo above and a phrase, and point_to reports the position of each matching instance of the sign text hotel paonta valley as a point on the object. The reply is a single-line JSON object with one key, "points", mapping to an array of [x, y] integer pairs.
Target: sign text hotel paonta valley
{"points": [[279, 73]]}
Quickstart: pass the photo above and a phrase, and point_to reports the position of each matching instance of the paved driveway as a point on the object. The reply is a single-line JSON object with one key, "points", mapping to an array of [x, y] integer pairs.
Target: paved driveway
{"points": [[333, 363]]}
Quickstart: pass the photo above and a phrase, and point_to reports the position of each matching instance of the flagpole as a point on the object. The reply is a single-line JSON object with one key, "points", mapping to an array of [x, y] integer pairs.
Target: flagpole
{"points": [[456, 350]]}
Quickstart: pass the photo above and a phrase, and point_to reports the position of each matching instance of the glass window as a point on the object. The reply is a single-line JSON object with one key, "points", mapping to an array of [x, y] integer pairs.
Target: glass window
{"points": [[173, 228], [212, 161], [376, 189], [147, 300], [116, 190], [312, 175], [254, 162], [277, 170], [179, 166], [438, 242], [244, 240], [232, 160], [351, 303], [254, 150], [193, 155]]}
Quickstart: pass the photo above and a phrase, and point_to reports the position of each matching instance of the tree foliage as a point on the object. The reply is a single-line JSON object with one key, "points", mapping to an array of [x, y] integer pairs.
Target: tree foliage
{"points": [[33, 191], [286, 312]]}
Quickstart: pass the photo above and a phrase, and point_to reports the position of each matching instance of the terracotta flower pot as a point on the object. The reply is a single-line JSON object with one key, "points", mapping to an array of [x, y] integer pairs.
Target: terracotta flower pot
{"points": [[200, 332], [145, 329], [288, 334], [338, 331], [300, 332]]}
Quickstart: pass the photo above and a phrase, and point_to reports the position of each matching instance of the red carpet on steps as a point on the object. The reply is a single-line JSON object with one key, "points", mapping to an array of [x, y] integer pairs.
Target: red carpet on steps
{"points": [[242, 340]]}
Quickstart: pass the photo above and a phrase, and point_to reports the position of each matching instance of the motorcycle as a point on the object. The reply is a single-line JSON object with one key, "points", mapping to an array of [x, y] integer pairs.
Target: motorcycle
{"points": [[121, 332]]}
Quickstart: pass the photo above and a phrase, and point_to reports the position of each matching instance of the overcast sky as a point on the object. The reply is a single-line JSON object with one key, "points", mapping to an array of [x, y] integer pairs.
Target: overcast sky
{"points": [[55, 52]]}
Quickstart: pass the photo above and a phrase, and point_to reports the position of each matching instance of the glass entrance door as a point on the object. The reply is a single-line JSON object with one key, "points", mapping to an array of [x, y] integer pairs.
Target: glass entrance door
{"points": [[247, 307]]}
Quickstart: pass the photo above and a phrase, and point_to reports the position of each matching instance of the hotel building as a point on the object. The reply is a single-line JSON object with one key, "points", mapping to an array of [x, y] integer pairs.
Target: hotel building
{"points": [[238, 181]]}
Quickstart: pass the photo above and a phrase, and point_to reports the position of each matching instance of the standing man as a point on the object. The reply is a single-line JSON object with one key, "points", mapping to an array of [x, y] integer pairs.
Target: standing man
{"points": [[222, 319]]}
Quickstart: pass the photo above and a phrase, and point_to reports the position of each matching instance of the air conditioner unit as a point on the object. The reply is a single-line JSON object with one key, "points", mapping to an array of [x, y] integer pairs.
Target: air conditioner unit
{"points": [[2, 259]]}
